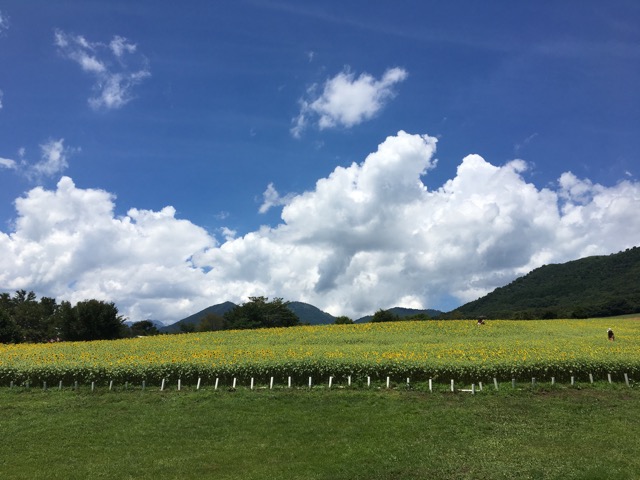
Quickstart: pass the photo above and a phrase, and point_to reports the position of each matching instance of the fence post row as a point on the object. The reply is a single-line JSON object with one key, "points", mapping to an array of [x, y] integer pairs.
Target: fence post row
{"points": [[534, 383]]}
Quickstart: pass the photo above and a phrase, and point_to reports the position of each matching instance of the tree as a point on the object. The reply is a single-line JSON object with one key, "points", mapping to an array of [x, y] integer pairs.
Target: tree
{"points": [[210, 322], [417, 317], [187, 327], [143, 328], [90, 320], [258, 312], [343, 320], [32, 319], [385, 316], [9, 331]]}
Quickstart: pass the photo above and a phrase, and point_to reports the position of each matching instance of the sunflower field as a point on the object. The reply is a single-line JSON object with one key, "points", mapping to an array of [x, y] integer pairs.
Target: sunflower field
{"points": [[438, 350]]}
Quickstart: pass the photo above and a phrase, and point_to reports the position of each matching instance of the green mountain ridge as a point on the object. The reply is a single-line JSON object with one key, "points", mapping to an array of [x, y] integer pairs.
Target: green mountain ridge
{"points": [[596, 286], [219, 309]]}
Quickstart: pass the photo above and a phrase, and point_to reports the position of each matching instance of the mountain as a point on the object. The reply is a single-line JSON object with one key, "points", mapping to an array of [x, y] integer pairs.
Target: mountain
{"points": [[219, 309], [305, 312], [405, 312], [310, 314], [597, 286]]}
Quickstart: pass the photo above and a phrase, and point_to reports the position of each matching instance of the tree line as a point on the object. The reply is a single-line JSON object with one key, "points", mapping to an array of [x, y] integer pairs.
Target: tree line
{"points": [[24, 318]]}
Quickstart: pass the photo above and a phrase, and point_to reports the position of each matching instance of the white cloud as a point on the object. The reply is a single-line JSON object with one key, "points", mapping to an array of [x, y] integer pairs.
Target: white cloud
{"points": [[271, 198], [4, 22], [8, 163], [119, 46], [346, 101], [116, 68], [4, 25], [53, 160], [368, 236]]}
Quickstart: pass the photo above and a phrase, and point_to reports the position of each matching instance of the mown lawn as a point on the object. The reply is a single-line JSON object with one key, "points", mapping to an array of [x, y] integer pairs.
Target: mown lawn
{"points": [[587, 431]]}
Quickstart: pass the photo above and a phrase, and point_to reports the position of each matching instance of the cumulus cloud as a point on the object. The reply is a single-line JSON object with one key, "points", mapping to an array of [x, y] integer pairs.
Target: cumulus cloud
{"points": [[368, 236], [116, 67], [346, 101], [1, 95], [68, 243]]}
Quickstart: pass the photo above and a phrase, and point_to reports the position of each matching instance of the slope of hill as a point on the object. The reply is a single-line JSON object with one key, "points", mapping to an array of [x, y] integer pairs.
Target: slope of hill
{"points": [[310, 314], [404, 312], [219, 309], [596, 286]]}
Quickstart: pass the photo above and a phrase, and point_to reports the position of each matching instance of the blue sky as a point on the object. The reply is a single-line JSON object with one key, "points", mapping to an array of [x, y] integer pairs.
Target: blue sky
{"points": [[253, 148]]}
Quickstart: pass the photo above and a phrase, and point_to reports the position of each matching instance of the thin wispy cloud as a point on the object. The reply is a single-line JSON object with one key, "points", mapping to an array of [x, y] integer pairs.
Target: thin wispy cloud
{"points": [[117, 67], [8, 163], [271, 198], [4, 22], [53, 159], [54, 156], [4, 26], [346, 100]]}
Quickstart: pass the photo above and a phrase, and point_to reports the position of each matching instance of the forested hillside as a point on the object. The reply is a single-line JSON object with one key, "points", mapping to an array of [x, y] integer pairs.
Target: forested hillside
{"points": [[596, 286]]}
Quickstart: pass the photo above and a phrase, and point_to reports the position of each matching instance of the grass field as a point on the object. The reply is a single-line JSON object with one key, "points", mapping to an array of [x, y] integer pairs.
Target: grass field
{"points": [[581, 432]]}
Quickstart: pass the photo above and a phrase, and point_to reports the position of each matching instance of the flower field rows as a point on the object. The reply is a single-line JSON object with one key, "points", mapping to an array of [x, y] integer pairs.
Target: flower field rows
{"points": [[441, 350]]}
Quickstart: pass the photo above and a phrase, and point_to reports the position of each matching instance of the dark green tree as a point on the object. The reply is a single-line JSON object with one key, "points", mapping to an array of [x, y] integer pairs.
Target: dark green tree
{"points": [[385, 316], [343, 320], [90, 320], [143, 328], [34, 319], [9, 331], [210, 322], [187, 327], [258, 312]]}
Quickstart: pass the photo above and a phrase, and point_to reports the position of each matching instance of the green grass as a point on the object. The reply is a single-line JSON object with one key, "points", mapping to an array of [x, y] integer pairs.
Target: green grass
{"points": [[587, 432]]}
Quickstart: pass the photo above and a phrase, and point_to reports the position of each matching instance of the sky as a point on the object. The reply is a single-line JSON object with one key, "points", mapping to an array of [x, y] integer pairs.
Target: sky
{"points": [[168, 156]]}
